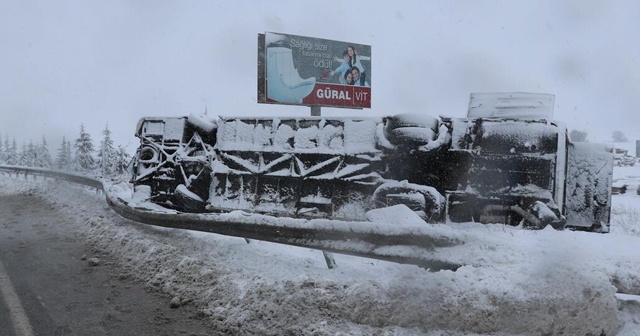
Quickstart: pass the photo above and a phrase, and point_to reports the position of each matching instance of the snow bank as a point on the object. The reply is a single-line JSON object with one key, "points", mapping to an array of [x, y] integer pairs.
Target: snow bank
{"points": [[514, 282]]}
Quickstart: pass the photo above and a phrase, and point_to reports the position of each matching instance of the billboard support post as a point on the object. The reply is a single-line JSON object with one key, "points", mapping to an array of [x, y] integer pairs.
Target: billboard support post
{"points": [[315, 111]]}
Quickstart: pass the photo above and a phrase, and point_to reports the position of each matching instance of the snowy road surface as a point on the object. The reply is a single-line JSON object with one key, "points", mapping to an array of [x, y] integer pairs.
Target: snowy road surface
{"points": [[48, 288], [513, 282]]}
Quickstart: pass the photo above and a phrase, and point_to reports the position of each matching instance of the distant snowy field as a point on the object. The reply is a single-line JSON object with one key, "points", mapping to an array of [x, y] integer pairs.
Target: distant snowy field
{"points": [[513, 282]]}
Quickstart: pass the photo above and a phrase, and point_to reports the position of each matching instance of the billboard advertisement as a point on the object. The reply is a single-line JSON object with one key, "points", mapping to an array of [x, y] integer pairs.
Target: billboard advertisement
{"points": [[309, 71]]}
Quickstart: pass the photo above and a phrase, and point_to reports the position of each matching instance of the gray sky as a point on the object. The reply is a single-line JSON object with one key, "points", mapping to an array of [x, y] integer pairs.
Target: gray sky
{"points": [[63, 63]]}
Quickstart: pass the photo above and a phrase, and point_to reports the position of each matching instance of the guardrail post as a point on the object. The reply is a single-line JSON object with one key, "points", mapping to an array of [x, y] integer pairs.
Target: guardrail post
{"points": [[329, 259]]}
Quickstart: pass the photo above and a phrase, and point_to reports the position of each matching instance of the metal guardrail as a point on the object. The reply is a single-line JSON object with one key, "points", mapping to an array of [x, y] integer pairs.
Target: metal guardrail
{"points": [[362, 239], [56, 174]]}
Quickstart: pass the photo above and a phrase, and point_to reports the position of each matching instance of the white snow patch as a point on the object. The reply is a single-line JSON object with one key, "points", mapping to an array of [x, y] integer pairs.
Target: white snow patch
{"points": [[203, 122], [337, 136], [514, 282], [395, 214]]}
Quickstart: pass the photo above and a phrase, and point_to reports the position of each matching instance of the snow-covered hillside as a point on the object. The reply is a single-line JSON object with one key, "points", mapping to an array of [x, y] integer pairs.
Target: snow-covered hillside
{"points": [[513, 282]]}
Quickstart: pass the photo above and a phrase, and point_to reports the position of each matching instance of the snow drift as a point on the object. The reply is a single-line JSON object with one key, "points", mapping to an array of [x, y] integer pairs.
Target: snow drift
{"points": [[514, 281]]}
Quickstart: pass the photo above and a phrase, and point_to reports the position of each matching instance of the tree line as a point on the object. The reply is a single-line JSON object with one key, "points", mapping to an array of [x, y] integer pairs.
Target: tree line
{"points": [[581, 136], [81, 156]]}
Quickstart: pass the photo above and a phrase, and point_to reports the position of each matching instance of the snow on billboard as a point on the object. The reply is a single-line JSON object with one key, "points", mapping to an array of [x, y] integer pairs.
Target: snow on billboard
{"points": [[301, 70]]}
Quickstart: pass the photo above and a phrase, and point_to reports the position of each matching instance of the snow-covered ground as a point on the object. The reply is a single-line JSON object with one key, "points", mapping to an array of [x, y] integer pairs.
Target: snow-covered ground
{"points": [[513, 282]]}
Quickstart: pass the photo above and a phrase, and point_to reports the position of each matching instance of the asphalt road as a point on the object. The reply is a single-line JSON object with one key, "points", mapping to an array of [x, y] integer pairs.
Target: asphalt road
{"points": [[48, 288]]}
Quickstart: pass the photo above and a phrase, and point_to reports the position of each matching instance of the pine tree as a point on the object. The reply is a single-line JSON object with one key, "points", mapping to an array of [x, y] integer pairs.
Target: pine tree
{"points": [[42, 155], [62, 160], [12, 152], [30, 155], [122, 160], [3, 157], [106, 154], [7, 149], [84, 160], [23, 155], [70, 158], [60, 155]]}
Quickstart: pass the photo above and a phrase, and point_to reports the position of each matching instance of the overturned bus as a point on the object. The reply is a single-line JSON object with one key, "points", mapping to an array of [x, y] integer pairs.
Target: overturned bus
{"points": [[506, 162]]}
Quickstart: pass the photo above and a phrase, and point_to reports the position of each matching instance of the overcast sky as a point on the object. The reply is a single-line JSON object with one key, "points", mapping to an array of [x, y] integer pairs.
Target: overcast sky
{"points": [[96, 62]]}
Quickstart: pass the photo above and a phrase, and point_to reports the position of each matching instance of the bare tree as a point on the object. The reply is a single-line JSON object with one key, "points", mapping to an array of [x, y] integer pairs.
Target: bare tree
{"points": [[578, 136], [618, 136]]}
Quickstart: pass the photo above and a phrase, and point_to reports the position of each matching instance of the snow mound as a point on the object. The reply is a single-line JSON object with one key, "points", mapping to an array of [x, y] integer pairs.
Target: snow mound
{"points": [[514, 282], [395, 214]]}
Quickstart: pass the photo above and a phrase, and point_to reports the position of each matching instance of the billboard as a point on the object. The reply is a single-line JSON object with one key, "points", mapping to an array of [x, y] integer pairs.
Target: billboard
{"points": [[299, 70]]}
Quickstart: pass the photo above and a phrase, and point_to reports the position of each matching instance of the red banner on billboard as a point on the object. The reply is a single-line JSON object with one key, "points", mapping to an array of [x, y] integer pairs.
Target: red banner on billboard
{"points": [[339, 95]]}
